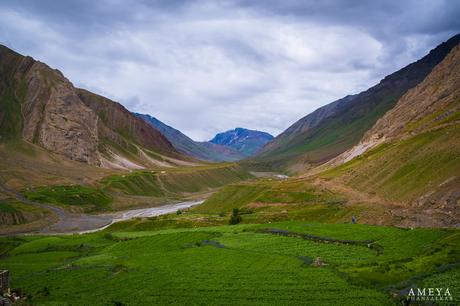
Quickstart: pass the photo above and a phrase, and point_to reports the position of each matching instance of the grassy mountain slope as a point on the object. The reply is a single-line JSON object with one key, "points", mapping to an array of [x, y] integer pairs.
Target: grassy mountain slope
{"points": [[173, 182], [333, 129], [415, 155]]}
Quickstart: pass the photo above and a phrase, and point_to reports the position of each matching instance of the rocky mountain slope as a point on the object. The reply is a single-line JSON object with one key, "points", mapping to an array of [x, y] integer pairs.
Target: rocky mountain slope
{"points": [[247, 142], [412, 154], [334, 128], [228, 146], [41, 107]]}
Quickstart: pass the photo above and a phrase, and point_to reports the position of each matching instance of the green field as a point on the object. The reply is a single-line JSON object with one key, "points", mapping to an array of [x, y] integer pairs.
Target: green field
{"points": [[242, 264]]}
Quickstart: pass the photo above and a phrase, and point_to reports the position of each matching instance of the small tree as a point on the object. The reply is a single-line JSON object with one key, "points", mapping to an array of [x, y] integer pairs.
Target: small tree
{"points": [[179, 212], [235, 217]]}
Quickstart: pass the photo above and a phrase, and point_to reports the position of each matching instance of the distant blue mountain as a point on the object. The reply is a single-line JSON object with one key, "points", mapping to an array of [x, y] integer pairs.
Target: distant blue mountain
{"points": [[247, 142], [201, 150], [228, 146]]}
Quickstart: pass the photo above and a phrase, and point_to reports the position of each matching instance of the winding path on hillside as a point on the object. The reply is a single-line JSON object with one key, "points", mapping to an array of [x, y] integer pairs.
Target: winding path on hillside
{"points": [[70, 223]]}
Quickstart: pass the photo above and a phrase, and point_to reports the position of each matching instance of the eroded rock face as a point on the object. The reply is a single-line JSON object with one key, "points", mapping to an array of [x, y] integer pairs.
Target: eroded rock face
{"points": [[115, 117], [56, 119]]}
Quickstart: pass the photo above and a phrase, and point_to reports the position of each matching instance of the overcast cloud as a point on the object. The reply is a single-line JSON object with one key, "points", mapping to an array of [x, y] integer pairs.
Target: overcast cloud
{"points": [[208, 66]]}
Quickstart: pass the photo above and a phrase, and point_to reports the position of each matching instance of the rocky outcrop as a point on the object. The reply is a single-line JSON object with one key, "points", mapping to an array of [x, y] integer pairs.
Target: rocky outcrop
{"points": [[52, 116]]}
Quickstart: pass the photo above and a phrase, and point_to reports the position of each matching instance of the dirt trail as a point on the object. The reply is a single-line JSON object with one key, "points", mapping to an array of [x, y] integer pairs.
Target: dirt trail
{"points": [[353, 195], [390, 213]]}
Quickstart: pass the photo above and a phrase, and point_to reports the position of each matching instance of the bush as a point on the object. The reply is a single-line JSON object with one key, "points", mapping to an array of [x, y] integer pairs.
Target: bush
{"points": [[179, 212], [235, 217]]}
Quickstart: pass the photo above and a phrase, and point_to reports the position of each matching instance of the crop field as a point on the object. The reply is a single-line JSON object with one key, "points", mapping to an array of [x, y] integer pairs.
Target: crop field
{"points": [[265, 264]]}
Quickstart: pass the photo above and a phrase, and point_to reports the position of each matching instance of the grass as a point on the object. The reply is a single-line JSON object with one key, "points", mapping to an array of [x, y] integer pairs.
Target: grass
{"points": [[174, 182], [88, 198], [13, 212], [228, 265], [273, 200], [406, 169], [10, 116]]}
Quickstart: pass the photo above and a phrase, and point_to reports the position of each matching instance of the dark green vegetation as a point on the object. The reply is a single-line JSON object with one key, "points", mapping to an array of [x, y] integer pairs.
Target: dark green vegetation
{"points": [[235, 218], [12, 95], [88, 198], [13, 212], [240, 264], [336, 127]]}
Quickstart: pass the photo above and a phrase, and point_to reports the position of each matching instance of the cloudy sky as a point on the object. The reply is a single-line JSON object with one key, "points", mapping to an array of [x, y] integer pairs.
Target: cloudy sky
{"points": [[209, 66]]}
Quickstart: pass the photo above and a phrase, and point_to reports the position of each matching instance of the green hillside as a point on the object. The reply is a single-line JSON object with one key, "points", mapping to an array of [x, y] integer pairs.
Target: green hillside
{"points": [[175, 181], [406, 169]]}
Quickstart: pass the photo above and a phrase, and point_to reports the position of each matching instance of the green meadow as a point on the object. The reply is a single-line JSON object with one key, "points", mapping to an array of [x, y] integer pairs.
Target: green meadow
{"points": [[257, 264]]}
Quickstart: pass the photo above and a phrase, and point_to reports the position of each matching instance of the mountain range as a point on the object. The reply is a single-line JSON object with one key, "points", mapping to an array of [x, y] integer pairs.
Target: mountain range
{"points": [[232, 145]]}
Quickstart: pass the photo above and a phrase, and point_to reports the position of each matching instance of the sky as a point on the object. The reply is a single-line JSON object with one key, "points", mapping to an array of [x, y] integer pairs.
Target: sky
{"points": [[204, 67]]}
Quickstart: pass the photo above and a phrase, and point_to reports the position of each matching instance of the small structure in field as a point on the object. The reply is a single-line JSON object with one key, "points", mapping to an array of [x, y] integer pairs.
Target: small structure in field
{"points": [[4, 281], [318, 262]]}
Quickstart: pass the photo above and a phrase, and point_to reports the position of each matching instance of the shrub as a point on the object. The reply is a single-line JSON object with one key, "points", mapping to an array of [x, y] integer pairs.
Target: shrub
{"points": [[235, 218]]}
